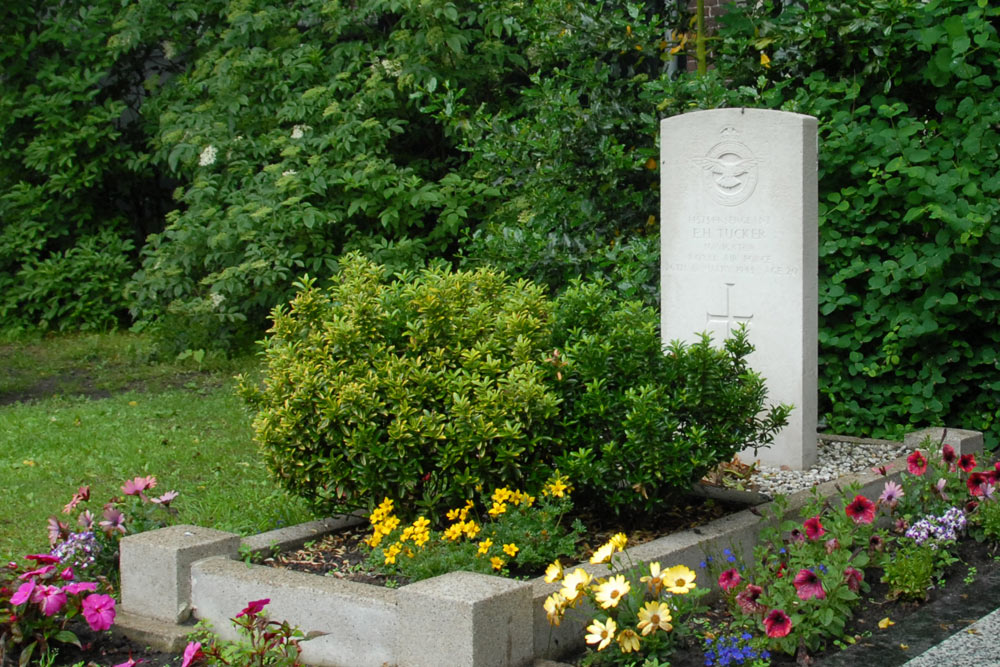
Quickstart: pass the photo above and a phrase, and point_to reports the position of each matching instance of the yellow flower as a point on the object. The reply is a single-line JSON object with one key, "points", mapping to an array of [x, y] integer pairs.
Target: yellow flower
{"points": [[619, 540], [885, 623], [501, 495], [611, 592], [603, 554], [389, 524], [654, 615], [452, 532], [420, 538], [654, 582], [470, 529], [628, 641], [421, 523], [573, 583], [497, 562], [554, 572], [679, 579], [485, 545], [497, 509], [452, 514], [391, 553], [764, 60], [555, 607], [557, 488], [601, 633], [510, 549]]}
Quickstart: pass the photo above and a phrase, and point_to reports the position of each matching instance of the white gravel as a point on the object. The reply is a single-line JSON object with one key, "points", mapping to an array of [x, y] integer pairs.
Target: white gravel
{"points": [[834, 459]]}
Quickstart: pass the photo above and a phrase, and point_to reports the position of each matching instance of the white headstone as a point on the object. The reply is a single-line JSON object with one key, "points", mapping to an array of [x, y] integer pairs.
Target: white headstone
{"points": [[739, 231]]}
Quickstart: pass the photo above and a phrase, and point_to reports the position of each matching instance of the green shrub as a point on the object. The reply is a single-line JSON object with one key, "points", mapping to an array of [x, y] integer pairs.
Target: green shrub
{"points": [[418, 389], [641, 426]]}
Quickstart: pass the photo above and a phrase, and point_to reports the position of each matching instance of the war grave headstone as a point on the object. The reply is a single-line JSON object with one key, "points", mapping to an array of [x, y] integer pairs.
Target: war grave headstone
{"points": [[739, 246]]}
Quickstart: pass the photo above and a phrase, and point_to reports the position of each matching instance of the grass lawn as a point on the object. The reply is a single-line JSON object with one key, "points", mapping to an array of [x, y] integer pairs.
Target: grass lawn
{"points": [[91, 410]]}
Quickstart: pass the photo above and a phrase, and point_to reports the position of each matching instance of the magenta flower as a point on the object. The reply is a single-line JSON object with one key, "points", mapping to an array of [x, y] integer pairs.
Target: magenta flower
{"points": [[43, 558], [891, 494], [23, 593], [99, 611], [853, 578], [814, 529], [42, 571], [52, 599], [254, 607], [78, 587], [747, 599], [808, 585], [861, 510], [130, 662], [916, 463], [777, 624], [729, 579], [67, 574], [876, 543], [967, 462], [192, 652]]}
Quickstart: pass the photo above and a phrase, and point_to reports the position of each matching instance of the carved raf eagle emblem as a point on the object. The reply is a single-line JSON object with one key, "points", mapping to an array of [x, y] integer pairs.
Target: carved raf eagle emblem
{"points": [[730, 170]]}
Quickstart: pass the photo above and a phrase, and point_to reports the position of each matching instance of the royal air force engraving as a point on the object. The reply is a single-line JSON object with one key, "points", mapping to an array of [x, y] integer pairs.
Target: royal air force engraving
{"points": [[729, 169]]}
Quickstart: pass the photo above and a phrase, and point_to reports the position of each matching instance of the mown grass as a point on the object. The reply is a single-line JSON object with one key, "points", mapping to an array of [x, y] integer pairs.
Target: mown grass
{"points": [[175, 421]]}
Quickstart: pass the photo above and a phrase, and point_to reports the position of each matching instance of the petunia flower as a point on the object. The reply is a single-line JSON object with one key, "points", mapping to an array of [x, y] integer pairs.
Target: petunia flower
{"points": [[948, 457], [808, 585], [254, 607], [967, 462], [611, 592], [891, 494], [814, 528], [653, 615], [747, 599], [777, 624], [729, 579], [99, 611], [876, 543], [916, 463], [853, 578], [975, 482], [831, 545], [861, 510], [679, 580], [192, 653], [601, 633]]}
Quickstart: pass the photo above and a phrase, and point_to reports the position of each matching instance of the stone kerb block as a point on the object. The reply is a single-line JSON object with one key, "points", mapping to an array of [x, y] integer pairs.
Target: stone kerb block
{"points": [[964, 442], [156, 568], [465, 619]]}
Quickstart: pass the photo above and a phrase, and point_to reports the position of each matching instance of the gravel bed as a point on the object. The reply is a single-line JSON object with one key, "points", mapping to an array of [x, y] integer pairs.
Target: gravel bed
{"points": [[834, 459]]}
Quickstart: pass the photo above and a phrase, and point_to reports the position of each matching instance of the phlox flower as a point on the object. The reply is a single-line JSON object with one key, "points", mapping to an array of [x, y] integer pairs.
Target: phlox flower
{"points": [[554, 572], [611, 592], [192, 653], [967, 462], [574, 583], [654, 582], [601, 633], [254, 607], [729, 579], [861, 510], [679, 580], [814, 529], [628, 641], [916, 463], [653, 615], [777, 624], [808, 585], [747, 599], [891, 493], [853, 578], [555, 608], [99, 611]]}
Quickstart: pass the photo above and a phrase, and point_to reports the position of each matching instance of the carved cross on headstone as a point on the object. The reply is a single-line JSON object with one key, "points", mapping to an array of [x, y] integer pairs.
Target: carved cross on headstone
{"points": [[728, 318]]}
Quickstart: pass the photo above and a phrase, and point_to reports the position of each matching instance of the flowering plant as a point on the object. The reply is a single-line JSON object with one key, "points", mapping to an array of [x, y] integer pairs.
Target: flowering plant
{"points": [[520, 533], [640, 610], [264, 642]]}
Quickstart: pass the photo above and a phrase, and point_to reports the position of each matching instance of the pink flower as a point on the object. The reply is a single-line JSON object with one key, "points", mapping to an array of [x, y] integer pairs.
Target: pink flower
{"points": [[86, 520], [808, 585], [891, 494], [43, 558], [166, 498], [916, 463], [853, 578], [130, 662], [729, 579], [52, 599], [23, 593], [78, 587], [57, 530], [861, 510], [254, 607], [814, 529], [135, 487], [948, 456], [113, 520], [747, 599], [939, 488], [42, 571], [832, 545], [777, 624], [99, 611], [192, 652], [67, 574], [967, 462], [876, 543], [80, 496], [976, 482]]}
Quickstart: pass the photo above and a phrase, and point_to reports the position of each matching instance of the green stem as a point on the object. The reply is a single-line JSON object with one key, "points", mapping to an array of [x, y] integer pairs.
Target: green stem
{"points": [[700, 39]]}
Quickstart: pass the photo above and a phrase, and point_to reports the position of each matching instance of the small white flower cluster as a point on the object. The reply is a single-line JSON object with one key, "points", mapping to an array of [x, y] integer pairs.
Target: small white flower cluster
{"points": [[217, 299], [207, 156], [289, 172], [299, 131], [943, 528], [391, 67]]}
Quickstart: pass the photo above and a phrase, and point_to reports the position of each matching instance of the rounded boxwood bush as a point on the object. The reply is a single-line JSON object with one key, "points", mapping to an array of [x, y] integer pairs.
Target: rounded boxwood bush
{"points": [[418, 389]]}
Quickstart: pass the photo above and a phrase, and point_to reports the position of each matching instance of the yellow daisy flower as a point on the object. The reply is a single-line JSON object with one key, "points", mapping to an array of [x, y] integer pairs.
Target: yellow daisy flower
{"points": [[611, 592], [498, 509], [654, 582], [510, 549], [497, 562], [554, 572], [628, 641], [601, 633], [452, 515], [470, 529], [574, 583], [654, 615], [619, 540], [501, 495], [679, 580], [485, 545], [555, 607], [391, 553], [556, 488], [452, 532], [603, 554]]}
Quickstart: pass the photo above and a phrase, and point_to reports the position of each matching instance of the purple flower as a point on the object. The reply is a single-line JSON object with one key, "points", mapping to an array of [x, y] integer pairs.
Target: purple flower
{"points": [[891, 494], [113, 520]]}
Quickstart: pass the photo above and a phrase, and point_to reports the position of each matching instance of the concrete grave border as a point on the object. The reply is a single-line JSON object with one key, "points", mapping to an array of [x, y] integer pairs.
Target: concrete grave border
{"points": [[172, 576]]}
